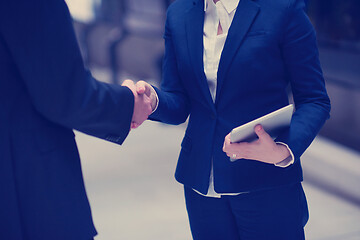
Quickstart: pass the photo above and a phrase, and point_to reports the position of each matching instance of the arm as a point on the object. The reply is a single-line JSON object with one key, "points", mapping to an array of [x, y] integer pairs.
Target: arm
{"points": [[301, 58], [312, 103], [41, 40], [173, 106]]}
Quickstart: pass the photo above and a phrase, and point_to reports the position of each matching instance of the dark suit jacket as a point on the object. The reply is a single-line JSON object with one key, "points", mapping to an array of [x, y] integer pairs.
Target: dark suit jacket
{"points": [[45, 92], [270, 45]]}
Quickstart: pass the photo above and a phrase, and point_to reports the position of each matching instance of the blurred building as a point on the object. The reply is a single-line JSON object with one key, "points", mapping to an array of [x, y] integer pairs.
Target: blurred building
{"points": [[337, 23], [124, 36]]}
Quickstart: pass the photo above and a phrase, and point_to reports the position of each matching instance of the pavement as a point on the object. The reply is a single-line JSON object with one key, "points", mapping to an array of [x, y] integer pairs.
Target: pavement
{"points": [[134, 195]]}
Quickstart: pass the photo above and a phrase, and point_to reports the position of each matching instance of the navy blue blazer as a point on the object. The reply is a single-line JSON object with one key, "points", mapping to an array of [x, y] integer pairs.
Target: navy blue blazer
{"points": [[45, 92], [270, 45]]}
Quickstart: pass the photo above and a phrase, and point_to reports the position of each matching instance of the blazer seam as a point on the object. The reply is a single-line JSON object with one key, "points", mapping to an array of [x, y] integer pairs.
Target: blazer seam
{"points": [[287, 18]]}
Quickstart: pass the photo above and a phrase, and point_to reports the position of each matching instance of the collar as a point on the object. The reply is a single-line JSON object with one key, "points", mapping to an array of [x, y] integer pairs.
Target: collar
{"points": [[230, 5]]}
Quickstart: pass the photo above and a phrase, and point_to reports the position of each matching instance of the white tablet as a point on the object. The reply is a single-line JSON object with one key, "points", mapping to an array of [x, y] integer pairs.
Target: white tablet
{"points": [[273, 123]]}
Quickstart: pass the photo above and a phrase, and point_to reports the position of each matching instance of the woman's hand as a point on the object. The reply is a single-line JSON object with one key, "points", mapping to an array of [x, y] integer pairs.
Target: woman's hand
{"points": [[264, 149], [142, 104]]}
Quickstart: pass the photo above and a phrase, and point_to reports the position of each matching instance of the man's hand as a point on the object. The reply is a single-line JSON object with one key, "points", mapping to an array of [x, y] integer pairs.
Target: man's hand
{"points": [[264, 149], [145, 88], [142, 105]]}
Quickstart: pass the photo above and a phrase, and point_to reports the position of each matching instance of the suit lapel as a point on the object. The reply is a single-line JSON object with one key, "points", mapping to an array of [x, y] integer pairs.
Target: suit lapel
{"points": [[194, 33], [245, 15]]}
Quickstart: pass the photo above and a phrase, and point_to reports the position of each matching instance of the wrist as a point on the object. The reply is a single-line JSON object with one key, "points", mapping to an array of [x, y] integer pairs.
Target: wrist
{"points": [[284, 153], [288, 160], [154, 99]]}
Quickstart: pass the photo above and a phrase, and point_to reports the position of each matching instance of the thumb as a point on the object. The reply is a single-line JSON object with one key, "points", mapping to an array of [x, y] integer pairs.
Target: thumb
{"points": [[143, 88], [140, 87], [261, 133]]}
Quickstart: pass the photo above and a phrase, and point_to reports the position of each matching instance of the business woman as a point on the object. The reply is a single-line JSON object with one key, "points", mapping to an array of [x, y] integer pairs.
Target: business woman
{"points": [[226, 63]]}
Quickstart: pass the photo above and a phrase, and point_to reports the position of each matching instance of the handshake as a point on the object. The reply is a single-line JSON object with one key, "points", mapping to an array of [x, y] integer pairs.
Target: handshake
{"points": [[145, 101]]}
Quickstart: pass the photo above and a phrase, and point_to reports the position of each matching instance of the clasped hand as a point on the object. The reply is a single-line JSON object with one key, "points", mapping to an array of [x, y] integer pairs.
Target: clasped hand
{"points": [[145, 101], [264, 149]]}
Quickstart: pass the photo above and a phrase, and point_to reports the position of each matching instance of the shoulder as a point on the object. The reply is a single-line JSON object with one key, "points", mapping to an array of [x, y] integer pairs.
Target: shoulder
{"points": [[280, 11], [181, 6], [178, 11], [281, 5]]}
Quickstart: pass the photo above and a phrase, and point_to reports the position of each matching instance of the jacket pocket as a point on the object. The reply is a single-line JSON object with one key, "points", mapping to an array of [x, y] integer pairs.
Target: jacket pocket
{"points": [[256, 33]]}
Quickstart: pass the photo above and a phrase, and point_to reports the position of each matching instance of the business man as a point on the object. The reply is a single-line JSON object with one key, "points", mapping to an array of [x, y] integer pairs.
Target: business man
{"points": [[45, 92], [226, 63]]}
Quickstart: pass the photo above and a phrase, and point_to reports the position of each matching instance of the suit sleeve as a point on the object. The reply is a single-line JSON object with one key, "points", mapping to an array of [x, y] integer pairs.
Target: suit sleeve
{"points": [[40, 37], [173, 107], [301, 58]]}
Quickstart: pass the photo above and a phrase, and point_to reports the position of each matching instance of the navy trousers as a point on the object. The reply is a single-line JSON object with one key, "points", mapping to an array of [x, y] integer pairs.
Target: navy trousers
{"points": [[275, 214]]}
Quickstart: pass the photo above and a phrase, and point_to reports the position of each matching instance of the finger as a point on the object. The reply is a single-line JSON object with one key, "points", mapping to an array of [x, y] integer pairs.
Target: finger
{"points": [[144, 87], [228, 138], [153, 102], [235, 157], [240, 149], [140, 87], [226, 142], [262, 134], [148, 88], [147, 101], [130, 84]]}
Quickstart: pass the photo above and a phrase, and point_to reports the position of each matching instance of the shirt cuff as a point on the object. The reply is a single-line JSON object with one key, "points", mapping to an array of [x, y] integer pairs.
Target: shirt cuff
{"points": [[287, 161], [157, 99]]}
